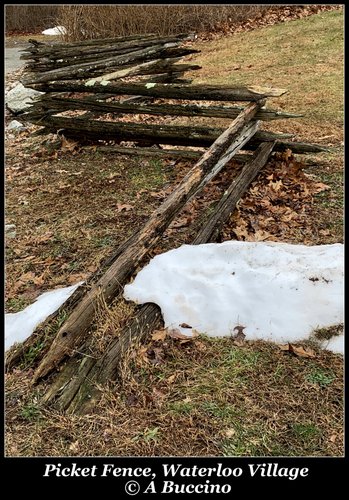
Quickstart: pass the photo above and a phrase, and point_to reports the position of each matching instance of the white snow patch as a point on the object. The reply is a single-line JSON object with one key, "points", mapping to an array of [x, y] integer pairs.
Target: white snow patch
{"points": [[57, 30], [335, 344], [277, 291], [19, 326]]}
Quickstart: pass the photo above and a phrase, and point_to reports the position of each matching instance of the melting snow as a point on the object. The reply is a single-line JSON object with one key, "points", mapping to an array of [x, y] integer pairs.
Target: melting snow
{"points": [[277, 291], [57, 30], [19, 326]]}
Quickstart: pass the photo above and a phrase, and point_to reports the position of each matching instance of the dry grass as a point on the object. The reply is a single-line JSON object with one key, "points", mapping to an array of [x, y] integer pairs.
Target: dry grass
{"points": [[306, 56], [253, 400], [225, 399], [70, 211]]}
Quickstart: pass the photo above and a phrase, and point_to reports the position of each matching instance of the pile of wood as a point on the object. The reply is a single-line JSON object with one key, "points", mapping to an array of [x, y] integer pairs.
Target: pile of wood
{"points": [[76, 386], [134, 55]]}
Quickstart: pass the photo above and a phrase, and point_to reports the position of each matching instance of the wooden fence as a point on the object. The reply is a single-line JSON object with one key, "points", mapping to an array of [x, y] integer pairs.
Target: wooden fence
{"points": [[77, 381]]}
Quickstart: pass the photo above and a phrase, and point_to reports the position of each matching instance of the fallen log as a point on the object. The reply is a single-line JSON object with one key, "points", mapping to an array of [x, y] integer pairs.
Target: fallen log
{"points": [[48, 101], [76, 388], [75, 329], [194, 92]]}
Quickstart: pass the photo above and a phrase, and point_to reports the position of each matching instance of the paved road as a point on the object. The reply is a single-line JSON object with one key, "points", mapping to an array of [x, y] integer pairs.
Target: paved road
{"points": [[12, 59]]}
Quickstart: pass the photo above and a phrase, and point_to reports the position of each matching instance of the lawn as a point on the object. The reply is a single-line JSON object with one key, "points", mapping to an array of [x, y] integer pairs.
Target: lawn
{"points": [[215, 397]]}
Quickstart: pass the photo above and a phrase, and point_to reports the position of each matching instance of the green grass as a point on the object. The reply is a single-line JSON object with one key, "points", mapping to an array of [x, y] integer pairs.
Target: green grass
{"points": [[148, 435], [30, 412], [149, 175], [320, 377], [16, 304], [306, 432]]}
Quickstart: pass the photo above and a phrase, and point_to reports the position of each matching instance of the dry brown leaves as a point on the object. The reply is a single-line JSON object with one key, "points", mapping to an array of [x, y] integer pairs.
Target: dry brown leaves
{"points": [[276, 206], [273, 15], [300, 351]]}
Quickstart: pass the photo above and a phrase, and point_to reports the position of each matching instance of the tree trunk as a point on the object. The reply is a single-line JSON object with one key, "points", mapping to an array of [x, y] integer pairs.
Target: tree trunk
{"points": [[82, 375], [74, 330]]}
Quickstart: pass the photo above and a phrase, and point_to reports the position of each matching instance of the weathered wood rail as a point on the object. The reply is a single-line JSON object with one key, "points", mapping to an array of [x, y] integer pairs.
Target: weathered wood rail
{"points": [[94, 77], [76, 387]]}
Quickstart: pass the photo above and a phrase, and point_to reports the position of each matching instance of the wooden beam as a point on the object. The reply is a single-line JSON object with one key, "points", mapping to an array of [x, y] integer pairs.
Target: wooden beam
{"points": [[75, 329], [98, 67], [82, 375], [49, 101], [194, 92]]}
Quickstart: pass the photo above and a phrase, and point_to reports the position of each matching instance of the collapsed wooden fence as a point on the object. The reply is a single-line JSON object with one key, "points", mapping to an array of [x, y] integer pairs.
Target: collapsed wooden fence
{"points": [[74, 388]]}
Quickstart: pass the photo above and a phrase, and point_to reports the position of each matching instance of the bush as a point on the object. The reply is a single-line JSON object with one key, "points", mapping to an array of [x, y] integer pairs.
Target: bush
{"points": [[30, 18], [107, 21]]}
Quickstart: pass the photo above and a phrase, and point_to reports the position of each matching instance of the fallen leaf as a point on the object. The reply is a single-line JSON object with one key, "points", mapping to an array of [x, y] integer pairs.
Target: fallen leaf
{"points": [[156, 356], [26, 277], [284, 347], [171, 378], [68, 145], [276, 186], [261, 235], [158, 396], [184, 222], [43, 238], [139, 193], [240, 332], [92, 269], [303, 352], [230, 433], [125, 207], [200, 346], [39, 280], [131, 400], [159, 335], [74, 278], [74, 446], [320, 186], [185, 325], [176, 334], [158, 195]]}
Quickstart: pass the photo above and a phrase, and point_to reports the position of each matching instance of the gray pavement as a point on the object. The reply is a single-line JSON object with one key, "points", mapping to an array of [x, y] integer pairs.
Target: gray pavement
{"points": [[12, 59]]}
